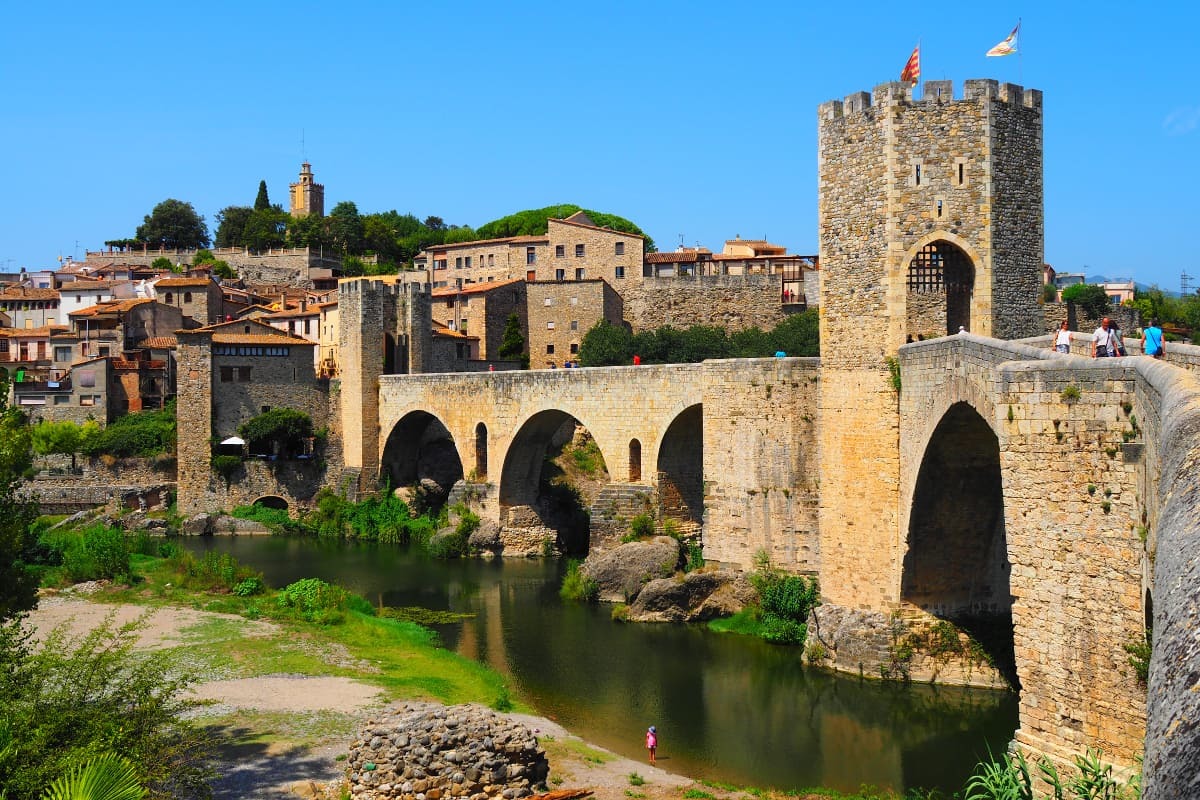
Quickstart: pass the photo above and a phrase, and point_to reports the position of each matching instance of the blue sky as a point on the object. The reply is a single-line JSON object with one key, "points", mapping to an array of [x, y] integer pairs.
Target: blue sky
{"points": [[694, 119]]}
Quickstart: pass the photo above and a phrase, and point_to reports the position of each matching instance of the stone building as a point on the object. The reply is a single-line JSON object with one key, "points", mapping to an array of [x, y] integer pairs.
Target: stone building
{"points": [[307, 196], [573, 249], [561, 312], [482, 310], [118, 326], [30, 308], [198, 298], [930, 219]]}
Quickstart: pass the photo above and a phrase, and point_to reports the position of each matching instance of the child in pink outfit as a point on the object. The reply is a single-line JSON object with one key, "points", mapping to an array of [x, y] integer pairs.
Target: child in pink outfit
{"points": [[652, 742]]}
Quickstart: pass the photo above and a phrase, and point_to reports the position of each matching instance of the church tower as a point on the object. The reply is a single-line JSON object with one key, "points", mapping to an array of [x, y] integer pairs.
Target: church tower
{"points": [[307, 197], [930, 221]]}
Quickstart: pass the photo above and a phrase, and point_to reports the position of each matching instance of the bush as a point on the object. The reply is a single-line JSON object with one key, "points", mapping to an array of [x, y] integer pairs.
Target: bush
{"points": [[70, 699], [1090, 297], [280, 431], [144, 433], [215, 571], [315, 600], [641, 527], [248, 587], [226, 466], [577, 587], [786, 602], [98, 552]]}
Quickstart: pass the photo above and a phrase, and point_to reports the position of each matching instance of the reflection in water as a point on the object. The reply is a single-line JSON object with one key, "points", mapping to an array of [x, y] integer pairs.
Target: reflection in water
{"points": [[727, 707]]}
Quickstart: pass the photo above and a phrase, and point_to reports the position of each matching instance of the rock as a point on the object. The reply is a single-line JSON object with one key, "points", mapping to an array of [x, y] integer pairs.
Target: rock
{"points": [[152, 524], [232, 525], [486, 537], [197, 525], [621, 573], [695, 597]]}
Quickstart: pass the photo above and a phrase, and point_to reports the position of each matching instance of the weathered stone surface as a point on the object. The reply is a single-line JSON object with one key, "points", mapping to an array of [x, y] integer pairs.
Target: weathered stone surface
{"points": [[232, 525], [485, 538], [621, 572], [693, 597], [197, 525], [424, 751]]}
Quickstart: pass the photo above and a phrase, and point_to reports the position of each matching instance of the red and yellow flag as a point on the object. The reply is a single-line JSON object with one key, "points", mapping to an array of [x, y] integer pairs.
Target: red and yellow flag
{"points": [[1009, 45], [912, 70]]}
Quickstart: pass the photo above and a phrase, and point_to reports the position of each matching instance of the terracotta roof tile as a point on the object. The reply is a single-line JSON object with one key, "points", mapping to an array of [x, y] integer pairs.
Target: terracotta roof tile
{"points": [[256, 338], [599, 228], [32, 333], [475, 288], [26, 293], [169, 283], [110, 307], [159, 343]]}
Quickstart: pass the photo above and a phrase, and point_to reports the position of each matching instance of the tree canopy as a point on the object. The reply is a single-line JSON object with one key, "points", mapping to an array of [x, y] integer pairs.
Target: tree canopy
{"points": [[1090, 297], [262, 200], [533, 222], [18, 582], [173, 224], [280, 431]]}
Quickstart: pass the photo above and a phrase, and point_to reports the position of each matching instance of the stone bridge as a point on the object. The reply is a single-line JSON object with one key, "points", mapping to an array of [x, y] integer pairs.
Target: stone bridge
{"points": [[1053, 496]]}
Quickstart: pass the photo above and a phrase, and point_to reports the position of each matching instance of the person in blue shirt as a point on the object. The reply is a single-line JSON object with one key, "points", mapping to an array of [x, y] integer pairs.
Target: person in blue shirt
{"points": [[1153, 343]]}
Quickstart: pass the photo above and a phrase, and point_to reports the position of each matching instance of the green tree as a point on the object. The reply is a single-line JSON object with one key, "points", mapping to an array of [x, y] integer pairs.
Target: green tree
{"points": [[18, 583], [162, 262], [606, 345], [1049, 293], [512, 343], [798, 335], [533, 222], [310, 231], [262, 202], [281, 431], [173, 224], [1090, 297], [346, 228], [231, 222], [61, 438], [265, 229], [203, 256]]}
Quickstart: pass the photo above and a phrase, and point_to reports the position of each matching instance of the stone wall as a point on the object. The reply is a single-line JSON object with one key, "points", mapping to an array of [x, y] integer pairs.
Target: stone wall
{"points": [[560, 313], [761, 494], [296, 482], [733, 302]]}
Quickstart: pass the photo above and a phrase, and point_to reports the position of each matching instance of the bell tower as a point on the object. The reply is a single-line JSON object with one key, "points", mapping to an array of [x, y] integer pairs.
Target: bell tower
{"points": [[307, 196]]}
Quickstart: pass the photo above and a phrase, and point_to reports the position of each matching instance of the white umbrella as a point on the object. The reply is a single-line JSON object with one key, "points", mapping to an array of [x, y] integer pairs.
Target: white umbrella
{"points": [[234, 440]]}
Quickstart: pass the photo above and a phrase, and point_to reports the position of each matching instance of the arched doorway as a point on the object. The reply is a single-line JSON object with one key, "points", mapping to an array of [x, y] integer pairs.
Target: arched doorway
{"points": [[420, 451], [956, 565], [941, 281], [550, 469], [272, 501], [681, 468], [635, 461]]}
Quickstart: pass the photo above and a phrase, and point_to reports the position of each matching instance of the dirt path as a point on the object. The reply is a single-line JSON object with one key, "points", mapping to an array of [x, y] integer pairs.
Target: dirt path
{"points": [[285, 732]]}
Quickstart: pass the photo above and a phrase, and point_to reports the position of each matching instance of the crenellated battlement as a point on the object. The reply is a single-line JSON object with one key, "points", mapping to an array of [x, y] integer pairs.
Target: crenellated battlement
{"points": [[894, 93]]}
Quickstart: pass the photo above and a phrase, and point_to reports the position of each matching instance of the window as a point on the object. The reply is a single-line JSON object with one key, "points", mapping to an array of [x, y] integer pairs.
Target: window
{"points": [[87, 399], [574, 301], [307, 326], [560, 251], [187, 297], [549, 326], [574, 348], [939, 209], [549, 349], [491, 259], [170, 298], [530, 255], [62, 399], [440, 263], [467, 262], [619, 249], [549, 301], [579, 273], [243, 374], [916, 174], [226, 374], [560, 274], [531, 275], [579, 251], [265, 409], [458, 263], [245, 328], [291, 326], [619, 272], [62, 354], [574, 324]]}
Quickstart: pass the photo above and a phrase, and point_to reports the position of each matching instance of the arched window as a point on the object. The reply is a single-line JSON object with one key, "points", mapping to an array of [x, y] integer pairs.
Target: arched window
{"points": [[481, 454], [635, 460], [170, 298], [187, 297]]}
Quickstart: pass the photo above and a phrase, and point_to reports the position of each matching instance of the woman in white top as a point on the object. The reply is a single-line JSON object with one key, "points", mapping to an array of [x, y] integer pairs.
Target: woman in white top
{"points": [[1062, 342]]}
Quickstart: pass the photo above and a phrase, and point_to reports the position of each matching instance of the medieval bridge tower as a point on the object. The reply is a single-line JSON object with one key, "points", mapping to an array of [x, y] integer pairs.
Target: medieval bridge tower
{"points": [[930, 220]]}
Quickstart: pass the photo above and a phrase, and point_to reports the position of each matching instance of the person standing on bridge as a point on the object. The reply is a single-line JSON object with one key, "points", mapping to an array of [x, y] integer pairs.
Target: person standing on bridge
{"points": [[1153, 343], [1103, 344], [1062, 341]]}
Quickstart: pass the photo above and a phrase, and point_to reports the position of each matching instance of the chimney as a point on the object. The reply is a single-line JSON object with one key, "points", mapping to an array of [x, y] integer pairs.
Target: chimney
{"points": [[304, 304]]}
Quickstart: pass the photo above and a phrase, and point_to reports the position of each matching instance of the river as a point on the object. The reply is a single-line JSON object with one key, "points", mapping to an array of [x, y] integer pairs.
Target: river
{"points": [[728, 708]]}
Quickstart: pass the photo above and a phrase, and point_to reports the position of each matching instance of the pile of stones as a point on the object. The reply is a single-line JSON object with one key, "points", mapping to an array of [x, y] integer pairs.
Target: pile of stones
{"points": [[425, 751]]}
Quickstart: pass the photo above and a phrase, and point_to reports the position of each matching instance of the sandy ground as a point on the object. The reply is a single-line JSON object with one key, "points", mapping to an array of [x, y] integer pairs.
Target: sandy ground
{"points": [[287, 731]]}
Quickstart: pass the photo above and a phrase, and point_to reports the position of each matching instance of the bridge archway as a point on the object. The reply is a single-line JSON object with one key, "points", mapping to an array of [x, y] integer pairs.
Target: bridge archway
{"points": [[956, 564], [940, 285], [531, 494], [681, 467], [272, 501], [419, 447]]}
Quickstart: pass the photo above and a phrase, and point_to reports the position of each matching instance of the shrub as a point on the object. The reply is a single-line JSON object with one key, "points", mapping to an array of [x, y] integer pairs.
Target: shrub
{"points": [[103, 553], [226, 466], [576, 586], [279, 431], [641, 526], [144, 433], [786, 602], [315, 600], [1070, 394], [248, 587], [72, 698]]}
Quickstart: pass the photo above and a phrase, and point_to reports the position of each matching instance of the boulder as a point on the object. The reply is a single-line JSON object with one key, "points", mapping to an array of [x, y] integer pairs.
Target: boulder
{"points": [[621, 573], [235, 526], [486, 537], [694, 597], [197, 525]]}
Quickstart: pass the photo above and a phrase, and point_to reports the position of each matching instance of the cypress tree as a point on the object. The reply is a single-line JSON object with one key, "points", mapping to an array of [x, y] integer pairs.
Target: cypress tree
{"points": [[262, 201]]}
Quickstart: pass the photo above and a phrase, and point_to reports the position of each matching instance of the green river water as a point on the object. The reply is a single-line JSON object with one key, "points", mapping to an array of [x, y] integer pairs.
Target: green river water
{"points": [[728, 708]]}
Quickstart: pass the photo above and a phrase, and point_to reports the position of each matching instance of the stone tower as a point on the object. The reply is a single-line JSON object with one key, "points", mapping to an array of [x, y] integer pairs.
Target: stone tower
{"points": [[307, 197], [930, 219], [385, 328]]}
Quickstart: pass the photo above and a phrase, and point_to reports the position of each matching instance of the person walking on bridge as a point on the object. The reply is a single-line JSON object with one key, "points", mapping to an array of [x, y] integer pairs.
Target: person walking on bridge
{"points": [[1153, 343], [1103, 341], [1062, 340]]}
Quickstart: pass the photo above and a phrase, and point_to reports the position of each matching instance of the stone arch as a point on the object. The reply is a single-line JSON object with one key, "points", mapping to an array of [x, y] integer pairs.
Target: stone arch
{"points": [[941, 271], [531, 498], [481, 452], [421, 447], [271, 501], [635, 460], [956, 562], [680, 467]]}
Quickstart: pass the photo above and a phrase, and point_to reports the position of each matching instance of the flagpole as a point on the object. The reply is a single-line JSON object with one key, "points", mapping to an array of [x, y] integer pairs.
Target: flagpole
{"points": [[1020, 54]]}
